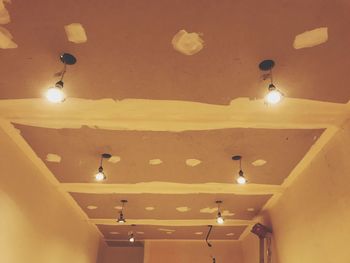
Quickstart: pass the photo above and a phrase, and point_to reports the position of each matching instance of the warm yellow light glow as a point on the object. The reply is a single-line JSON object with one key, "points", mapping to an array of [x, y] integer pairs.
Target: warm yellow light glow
{"points": [[100, 176], [132, 239], [273, 97], [55, 95], [241, 180], [220, 220]]}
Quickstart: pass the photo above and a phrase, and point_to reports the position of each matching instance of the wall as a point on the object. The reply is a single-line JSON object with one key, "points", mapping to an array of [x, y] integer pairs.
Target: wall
{"points": [[311, 220], [192, 251], [121, 255], [37, 224]]}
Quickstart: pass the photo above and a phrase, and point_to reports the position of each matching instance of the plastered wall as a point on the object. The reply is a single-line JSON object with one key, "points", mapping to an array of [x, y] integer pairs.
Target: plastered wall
{"points": [[37, 224], [192, 251], [311, 220], [120, 254]]}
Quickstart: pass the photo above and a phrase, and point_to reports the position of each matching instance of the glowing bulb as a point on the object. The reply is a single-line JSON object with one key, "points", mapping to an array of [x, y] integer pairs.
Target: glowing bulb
{"points": [[241, 180], [100, 176], [273, 97], [121, 219], [220, 220], [55, 95], [132, 239]]}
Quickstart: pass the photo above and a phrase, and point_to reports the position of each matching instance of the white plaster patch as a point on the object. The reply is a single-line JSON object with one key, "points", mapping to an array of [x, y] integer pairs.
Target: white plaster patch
{"points": [[114, 233], [230, 234], [91, 207], [251, 209], [149, 208], [140, 232], [155, 161], [118, 207], [4, 14], [6, 39], [169, 233], [227, 213], [53, 158], [198, 233], [311, 38], [166, 230], [259, 162], [114, 159], [187, 43], [208, 210], [183, 209], [193, 162], [75, 33]]}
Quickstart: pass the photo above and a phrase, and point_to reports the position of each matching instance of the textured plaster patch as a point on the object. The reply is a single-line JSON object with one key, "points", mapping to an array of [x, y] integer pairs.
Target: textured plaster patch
{"points": [[114, 233], [149, 208], [230, 234], [75, 33], [53, 158], [6, 39], [311, 38], [208, 210], [250, 209], [4, 14], [114, 159], [193, 162], [155, 161], [140, 232], [259, 162], [183, 209], [91, 207], [227, 213], [187, 43], [198, 233], [118, 207]]}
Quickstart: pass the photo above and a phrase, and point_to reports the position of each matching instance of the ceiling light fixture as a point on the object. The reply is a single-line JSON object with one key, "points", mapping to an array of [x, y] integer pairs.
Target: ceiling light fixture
{"points": [[100, 175], [55, 94], [131, 235], [219, 218], [121, 219], [274, 95], [240, 179]]}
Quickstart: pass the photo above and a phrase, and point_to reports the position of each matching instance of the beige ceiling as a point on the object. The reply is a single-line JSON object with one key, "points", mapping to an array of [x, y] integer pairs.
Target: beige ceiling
{"points": [[129, 55]]}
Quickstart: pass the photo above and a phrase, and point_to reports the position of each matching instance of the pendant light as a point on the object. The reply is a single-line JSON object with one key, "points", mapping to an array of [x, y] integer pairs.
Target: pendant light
{"points": [[131, 235], [121, 219], [100, 175], [241, 178], [219, 219], [273, 95], [55, 94]]}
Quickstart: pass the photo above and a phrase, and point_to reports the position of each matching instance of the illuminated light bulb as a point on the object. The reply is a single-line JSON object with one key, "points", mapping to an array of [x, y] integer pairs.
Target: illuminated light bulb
{"points": [[132, 239], [55, 94], [100, 176], [241, 179], [273, 96], [121, 219], [219, 219]]}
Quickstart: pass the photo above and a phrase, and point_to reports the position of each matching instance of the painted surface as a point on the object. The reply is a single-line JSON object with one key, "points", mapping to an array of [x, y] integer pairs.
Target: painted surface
{"points": [[76, 33], [121, 254], [187, 43], [34, 224], [192, 251], [311, 38]]}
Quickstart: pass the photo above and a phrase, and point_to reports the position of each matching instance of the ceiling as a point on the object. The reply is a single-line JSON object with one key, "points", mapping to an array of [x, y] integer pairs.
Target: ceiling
{"points": [[172, 175]]}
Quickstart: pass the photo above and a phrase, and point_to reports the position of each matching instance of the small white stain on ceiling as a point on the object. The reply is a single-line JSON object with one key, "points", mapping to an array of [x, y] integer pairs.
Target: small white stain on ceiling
{"points": [[166, 230], [91, 207], [6, 39], [140, 232], [53, 158], [230, 234], [114, 159], [149, 208], [114, 233], [251, 209], [311, 38], [227, 213], [183, 209], [155, 161], [259, 162], [75, 33], [193, 162], [4, 14], [198, 233], [118, 207], [208, 210], [187, 43]]}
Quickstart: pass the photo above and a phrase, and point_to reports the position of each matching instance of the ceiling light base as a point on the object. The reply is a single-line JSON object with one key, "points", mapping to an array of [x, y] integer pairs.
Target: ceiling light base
{"points": [[236, 157], [266, 65], [106, 155], [124, 201], [218, 202], [68, 59]]}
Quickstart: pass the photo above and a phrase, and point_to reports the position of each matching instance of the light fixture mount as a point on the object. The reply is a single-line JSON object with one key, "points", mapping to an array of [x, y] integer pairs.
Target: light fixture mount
{"points": [[236, 157], [106, 155], [266, 65], [68, 59], [218, 202], [124, 201]]}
